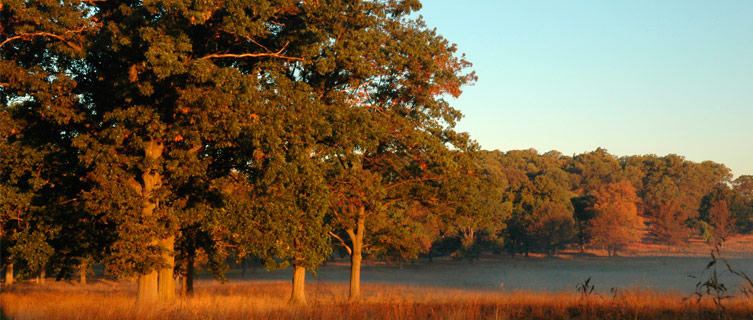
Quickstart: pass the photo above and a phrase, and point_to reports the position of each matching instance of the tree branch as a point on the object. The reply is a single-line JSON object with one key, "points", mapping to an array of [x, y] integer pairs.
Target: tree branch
{"points": [[46, 34], [342, 242], [270, 54]]}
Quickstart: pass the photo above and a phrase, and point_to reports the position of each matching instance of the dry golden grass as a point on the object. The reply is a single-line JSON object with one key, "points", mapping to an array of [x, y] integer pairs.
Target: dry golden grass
{"points": [[267, 300]]}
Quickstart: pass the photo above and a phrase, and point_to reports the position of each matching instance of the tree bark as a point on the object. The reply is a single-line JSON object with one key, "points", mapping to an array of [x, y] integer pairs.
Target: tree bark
{"points": [[183, 284], [9, 274], [149, 284], [166, 280], [147, 288], [356, 238], [298, 296], [82, 270]]}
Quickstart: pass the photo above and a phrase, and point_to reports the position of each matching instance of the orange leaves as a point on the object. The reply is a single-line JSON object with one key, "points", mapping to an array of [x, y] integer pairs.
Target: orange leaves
{"points": [[617, 223], [133, 74], [178, 138]]}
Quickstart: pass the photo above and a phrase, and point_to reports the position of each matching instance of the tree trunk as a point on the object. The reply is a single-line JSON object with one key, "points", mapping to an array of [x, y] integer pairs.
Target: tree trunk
{"points": [[82, 271], [149, 284], [298, 296], [183, 284], [356, 238], [147, 288], [188, 278], [9, 274], [42, 275], [166, 280]]}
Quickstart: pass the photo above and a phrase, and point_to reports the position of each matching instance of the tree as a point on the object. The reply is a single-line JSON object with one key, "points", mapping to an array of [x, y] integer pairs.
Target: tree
{"points": [[165, 91], [39, 44], [534, 180], [673, 192], [742, 203], [744, 186], [552, 226], [382, 77], [616, 224], [583, 213], [670, 224], [476, 210], [290, 191], [722, 221]]}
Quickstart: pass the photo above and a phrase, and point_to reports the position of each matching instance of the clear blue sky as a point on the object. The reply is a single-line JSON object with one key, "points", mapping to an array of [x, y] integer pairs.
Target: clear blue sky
{"points": [[634, 77]]}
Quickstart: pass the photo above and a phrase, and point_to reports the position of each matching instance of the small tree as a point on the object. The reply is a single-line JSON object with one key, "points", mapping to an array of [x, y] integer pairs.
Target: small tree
{"points": [[617, 223], [722, 221], [670, 223]]}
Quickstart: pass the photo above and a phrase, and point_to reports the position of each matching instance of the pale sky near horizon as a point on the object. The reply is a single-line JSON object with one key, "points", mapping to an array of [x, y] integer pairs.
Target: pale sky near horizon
{"points": [[634, 77]]}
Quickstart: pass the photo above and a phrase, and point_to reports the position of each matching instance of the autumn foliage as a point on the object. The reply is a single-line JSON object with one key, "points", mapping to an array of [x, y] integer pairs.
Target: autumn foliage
{"points": [[617, 223]]}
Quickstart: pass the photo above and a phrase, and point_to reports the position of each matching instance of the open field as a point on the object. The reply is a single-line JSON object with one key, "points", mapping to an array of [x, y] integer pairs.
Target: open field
{"points": [[534, 273], [537, 287]]}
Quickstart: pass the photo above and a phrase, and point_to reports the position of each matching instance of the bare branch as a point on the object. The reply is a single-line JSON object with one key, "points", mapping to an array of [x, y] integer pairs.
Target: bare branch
{"points": [[68, 201], [249, 39], [47, 34], [342, 242], [270, 54]]}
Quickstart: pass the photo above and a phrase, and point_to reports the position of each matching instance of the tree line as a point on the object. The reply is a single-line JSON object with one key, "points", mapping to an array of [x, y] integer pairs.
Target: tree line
{"points": [[152, 137], [532, 202]]}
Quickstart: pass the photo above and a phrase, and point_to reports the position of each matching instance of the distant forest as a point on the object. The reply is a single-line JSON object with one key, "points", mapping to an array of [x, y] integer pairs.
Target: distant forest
{"points": [[521, 201], [156, 137]]}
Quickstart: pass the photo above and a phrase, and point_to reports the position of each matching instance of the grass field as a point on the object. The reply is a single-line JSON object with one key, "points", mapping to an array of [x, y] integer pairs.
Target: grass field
{"points": [[267, 300], [501, 288]]}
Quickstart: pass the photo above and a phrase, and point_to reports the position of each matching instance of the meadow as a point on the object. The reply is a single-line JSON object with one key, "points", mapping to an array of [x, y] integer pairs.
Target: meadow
{"points": [[493, 288]]}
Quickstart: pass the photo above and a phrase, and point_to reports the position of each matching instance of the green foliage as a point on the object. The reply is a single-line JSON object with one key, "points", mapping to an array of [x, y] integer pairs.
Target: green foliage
{"points": [[31, 250], [258, 128]]}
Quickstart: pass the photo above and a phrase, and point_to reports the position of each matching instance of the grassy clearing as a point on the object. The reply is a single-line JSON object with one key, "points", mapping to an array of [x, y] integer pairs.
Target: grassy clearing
{"points": [[267, 300]]}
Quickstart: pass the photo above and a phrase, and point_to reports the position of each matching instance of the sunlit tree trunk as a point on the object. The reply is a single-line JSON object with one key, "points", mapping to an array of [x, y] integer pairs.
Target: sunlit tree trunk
{"points": [[148, 284], [356, 237], [166, 280], [147, 288], [298, 296], [83, 269], [9, 274]]}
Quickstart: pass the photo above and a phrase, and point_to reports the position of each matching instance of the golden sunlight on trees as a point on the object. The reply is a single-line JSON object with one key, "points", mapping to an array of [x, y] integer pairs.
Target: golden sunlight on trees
{"points": [[552, 227], [617, 224], [722, 221], [147, 140]]}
